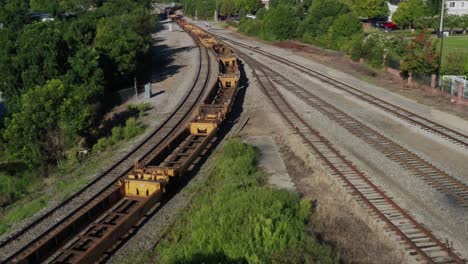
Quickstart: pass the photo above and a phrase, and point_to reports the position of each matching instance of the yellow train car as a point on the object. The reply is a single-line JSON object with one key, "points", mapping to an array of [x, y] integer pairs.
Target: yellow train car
{"points": [[146, 181]]}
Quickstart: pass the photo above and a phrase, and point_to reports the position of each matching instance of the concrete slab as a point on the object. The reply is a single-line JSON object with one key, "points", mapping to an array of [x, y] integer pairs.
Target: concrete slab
{"points": [[271, 161]]}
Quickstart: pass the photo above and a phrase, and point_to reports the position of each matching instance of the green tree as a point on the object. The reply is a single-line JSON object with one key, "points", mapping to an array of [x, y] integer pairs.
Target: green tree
{"points": [[13, 13], [37, 133], [281, 22], [452, 22], [408, 12], [421, 56], [40, 55], [120, 44], [320, 17], [228, 7], [8, 72], [343, 28], [249, 6], [464, 23], [371, 8]]}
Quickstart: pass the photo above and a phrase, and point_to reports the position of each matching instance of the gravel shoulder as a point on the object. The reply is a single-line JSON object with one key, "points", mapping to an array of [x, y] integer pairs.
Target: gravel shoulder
{"points": [[429, 110], [440, 213], [359, 237]]}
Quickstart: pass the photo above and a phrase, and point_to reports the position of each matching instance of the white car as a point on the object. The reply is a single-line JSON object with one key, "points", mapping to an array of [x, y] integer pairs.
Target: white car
{"points": [[251, 16]]}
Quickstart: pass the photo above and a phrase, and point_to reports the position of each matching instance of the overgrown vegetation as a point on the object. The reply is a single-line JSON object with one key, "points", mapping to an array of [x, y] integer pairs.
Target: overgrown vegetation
{"points": [[131, 129], [55, 73], [236, 218], [56, 78]]}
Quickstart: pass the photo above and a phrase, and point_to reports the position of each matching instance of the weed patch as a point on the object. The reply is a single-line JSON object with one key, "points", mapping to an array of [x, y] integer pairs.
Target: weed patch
{"points": [[131, 129], [236, 218]]}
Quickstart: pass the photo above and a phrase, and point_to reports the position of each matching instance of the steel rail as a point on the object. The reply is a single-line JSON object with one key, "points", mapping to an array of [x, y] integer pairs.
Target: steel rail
{"points": [[434, 176], [449, 134], [420, 239], [190, 100], [430, 173]]}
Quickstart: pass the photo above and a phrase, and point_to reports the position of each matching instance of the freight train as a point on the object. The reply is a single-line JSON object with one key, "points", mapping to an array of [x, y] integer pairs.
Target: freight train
{"points": [[150, 181]]}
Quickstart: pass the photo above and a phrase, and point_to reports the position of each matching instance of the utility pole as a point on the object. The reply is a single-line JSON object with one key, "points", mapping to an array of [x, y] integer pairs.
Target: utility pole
{"points": [[441, 36]]}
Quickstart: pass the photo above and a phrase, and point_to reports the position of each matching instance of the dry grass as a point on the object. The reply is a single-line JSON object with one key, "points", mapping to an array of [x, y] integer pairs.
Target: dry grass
{"points": [[339, 220]]}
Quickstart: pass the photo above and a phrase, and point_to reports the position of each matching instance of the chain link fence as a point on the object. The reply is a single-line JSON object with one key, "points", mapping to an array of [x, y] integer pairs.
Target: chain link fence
{"points": [[453, 84]]}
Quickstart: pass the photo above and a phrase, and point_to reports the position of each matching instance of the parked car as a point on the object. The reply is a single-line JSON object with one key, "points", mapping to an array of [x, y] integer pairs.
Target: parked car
{"points": [[385, 25], [251, 16]]}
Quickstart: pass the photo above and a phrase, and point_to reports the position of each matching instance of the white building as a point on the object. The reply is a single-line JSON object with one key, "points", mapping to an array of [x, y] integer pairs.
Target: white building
{"points": [[392, 9], [457, 7]]}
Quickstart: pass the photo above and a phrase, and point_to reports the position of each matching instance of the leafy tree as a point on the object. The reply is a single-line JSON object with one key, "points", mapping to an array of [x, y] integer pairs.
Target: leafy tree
{"points": [[249, 6], [320, 17], [408, 12], [37, 133], [120, 44], [40, 56], [464, 23], [343, 28], [13, 13], [452, 22], [85, 70], [281, 22], [8, 74], [371, 8], [421, 56], [228, 7]]}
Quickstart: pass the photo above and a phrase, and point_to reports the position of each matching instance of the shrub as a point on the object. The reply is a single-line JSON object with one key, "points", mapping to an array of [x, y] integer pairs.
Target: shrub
{"points": [[355, 47], [131, 129], [454, 64], [252, 27], [13, 187], [140, 108], [236, 219], [281, 22]]}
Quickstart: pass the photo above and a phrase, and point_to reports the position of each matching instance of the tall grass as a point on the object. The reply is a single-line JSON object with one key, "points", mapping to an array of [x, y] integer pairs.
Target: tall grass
{"points": [[131, 129], [236, 218], [21, 212], [15, 187]]}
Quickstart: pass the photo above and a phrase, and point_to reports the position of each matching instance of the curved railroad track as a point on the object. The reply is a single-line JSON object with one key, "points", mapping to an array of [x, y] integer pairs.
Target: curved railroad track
{"points": [[423, 123], [419, 239], [76, 209], [430, 173]]}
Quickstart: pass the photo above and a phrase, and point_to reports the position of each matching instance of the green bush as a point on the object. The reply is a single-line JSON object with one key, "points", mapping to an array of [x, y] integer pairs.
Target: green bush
{"points": [[14, 187], [454, 64], [252, 27], [237, 219], [355, 47], [131, 129], [281, 22], [140, 108]]}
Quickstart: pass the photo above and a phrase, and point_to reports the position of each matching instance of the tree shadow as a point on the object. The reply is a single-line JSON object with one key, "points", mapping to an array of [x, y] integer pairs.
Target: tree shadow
{"points": [[162, 58], [210, 258]]}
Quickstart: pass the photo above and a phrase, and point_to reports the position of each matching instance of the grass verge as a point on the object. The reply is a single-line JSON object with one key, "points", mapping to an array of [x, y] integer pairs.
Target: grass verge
{"points": [[24, 193], [234, 217]]}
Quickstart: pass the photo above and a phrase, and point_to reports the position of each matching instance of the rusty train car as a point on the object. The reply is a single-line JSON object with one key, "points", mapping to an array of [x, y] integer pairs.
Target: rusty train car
{"points": [[150, 181]]}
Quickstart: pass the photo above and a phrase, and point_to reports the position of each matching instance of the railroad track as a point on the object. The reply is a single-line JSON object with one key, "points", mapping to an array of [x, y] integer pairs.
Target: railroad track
{"points": [[414, 119], [39, 239], [419, 239], [431, 174]]}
